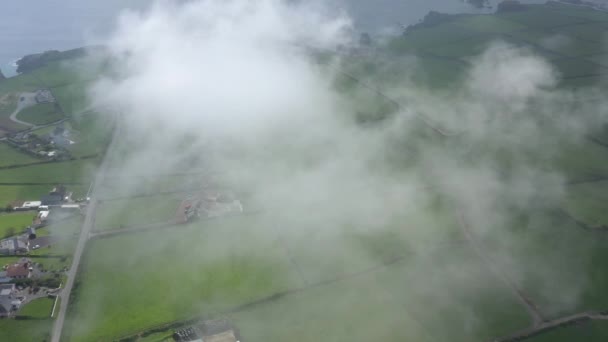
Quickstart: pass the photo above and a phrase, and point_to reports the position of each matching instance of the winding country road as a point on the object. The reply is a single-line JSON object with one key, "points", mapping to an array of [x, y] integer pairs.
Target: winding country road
{"points": [[28, 101], [87, 227]]}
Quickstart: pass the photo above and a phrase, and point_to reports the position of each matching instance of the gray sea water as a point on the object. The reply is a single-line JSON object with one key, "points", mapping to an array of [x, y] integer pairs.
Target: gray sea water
{"points": [[31, 26]]}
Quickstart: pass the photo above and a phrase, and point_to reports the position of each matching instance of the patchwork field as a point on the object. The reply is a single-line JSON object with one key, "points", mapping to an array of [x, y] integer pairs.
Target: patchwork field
{"points": [[37, 309], [25, 330], [206, 268], [138, 211], [68, 172], [40, 114], [417, 276], [13, 223]]}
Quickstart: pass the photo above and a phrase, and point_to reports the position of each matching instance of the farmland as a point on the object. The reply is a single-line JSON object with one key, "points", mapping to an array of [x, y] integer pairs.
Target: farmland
{"points": [[25, 330], [412, 272], [38, 309], [40, 114], [14, 223], [394, 269]]}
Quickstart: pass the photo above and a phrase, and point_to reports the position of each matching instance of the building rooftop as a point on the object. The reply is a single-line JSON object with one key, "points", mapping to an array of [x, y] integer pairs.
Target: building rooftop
{"points": [[31, 204], [226, 336], [12, 245], [18, 270], [51, 199]]}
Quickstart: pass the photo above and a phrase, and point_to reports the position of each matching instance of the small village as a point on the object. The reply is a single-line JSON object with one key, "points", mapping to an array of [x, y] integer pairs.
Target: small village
{"points": [[51, 146], [24, 278]]}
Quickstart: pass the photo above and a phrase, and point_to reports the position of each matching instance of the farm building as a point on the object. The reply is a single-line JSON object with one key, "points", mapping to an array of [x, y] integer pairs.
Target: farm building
{"points": [[27, 205], [220, 204], [6, 299], [13, 246], [44, 96], [219, 330], [55, 199], [20, 270]]}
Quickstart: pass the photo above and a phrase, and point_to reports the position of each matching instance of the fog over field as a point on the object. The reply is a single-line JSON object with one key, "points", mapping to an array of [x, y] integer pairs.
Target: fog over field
{"points": [[234, 86]]}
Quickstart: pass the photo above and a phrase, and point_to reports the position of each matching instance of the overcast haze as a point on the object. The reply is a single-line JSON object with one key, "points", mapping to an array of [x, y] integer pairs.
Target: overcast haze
{"points": [[229, 73], [30, 26]]}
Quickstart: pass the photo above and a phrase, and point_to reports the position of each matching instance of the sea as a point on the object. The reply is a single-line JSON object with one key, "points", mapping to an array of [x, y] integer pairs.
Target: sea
{"points": [[32, 26]]}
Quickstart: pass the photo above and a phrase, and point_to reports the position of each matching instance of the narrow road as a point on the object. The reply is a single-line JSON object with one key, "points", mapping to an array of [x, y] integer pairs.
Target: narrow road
{"points": [[87, 226], [553, 324], [27, 102]]}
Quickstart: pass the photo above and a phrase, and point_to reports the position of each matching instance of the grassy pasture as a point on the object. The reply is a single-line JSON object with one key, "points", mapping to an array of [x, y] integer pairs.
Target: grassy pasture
{"points": [[137, 211], [37, 309], [425, 37], [60, 172], [15, 222], [599, 59], [12, 156], [575, 67], [595, 331], [391, 304], [8, 103], [582, 161], [40, 114], [281, 255], [551, 259], [25, 330], [132, 282], [579, 12], [489, 24], [71, 97], [587, 202], [10, 193], [590, 32], [538, 17]]}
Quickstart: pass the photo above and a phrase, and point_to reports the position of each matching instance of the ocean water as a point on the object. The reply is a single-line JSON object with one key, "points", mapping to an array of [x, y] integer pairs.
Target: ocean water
{"points": [[31, 26]]}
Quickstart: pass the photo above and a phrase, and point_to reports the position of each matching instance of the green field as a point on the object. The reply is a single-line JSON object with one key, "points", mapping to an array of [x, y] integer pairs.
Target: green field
{"points": [[234, 261], [38, 309], [15, 223], [408, 276], [11, 156], [11, 193], [173, 274], [40, 114], [387, 305], [588, 332], [77, 171], [587, 203], [113, 214], [25, 330]]}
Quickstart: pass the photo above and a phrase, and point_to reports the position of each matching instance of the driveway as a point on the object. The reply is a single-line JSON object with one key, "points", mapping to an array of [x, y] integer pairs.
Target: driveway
{"points": [[25, 100]]}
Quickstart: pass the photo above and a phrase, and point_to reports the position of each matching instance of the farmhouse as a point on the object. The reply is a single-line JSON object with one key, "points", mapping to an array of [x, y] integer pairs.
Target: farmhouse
{"points": [[13, 246], [20, 270]]}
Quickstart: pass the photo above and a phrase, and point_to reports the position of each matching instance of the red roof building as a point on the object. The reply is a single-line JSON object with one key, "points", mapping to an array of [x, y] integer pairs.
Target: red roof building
{"points": [[19, 270]]}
